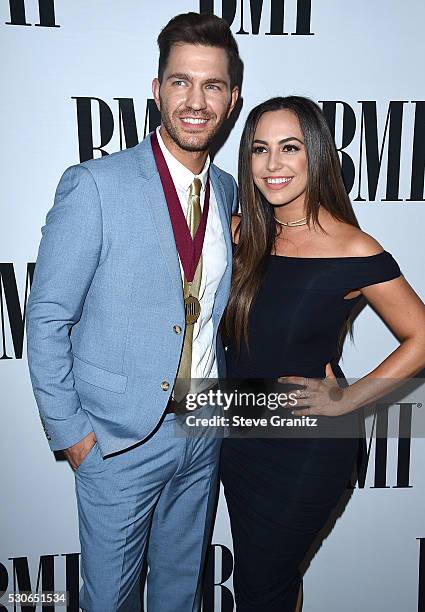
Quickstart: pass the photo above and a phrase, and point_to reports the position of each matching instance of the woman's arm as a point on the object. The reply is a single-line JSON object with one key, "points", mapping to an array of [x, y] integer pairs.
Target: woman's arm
{"points": [[404, 312]]}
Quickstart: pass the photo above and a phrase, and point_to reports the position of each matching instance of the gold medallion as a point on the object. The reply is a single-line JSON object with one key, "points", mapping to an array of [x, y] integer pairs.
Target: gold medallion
{"points": [[192, 309]]}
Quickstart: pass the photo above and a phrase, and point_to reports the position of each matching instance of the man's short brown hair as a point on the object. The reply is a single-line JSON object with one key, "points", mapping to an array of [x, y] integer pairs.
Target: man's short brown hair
{"points": [[200, 29]]}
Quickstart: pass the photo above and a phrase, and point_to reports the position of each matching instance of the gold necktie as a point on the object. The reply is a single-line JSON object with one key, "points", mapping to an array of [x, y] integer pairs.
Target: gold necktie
{"points": [[194, 213]]}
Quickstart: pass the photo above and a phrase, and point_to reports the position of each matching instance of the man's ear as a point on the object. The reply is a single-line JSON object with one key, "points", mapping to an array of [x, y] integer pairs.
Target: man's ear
{"points": [[155, 91], [233, 99]]}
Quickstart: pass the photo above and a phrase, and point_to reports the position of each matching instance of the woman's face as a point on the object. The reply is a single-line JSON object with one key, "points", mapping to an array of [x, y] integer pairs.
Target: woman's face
{"points": [[279, 159]]}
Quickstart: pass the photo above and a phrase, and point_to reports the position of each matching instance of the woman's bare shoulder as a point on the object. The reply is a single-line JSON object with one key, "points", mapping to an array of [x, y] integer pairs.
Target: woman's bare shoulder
{"points": [[346, 240], [359, 244]]}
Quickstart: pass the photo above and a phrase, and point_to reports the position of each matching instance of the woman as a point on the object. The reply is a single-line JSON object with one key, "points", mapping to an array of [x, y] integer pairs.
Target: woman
{"points": [[301, 264]]}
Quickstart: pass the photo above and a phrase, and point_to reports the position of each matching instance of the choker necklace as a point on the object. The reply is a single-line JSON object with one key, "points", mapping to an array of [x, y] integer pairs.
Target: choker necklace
{"points": [[297, 223]]}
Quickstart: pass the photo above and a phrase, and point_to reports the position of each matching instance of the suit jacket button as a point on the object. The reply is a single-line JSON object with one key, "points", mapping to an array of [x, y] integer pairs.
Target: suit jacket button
{"points": [[177, 329], [165, 385]]}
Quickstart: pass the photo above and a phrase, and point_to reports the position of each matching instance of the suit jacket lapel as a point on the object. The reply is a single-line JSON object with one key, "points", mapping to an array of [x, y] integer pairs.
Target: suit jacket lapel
{"points": [[154, 194], [220, 196], [158, 208], [224, 211]]}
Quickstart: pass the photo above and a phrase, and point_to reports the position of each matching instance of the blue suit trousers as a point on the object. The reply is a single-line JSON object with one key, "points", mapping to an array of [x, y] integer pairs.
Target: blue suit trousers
{"points": [[154, 501]]}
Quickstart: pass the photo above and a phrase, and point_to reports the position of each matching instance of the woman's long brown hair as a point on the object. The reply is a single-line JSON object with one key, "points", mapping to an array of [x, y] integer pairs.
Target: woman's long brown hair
{"points": [[257, 229]]}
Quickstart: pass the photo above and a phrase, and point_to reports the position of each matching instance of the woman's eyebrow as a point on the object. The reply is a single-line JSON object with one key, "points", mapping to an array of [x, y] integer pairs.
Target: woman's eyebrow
{"points": [[280, 141]]}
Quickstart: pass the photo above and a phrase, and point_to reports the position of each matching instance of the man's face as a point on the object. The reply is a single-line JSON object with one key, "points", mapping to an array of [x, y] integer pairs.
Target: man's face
{"points": [[194, 97]]}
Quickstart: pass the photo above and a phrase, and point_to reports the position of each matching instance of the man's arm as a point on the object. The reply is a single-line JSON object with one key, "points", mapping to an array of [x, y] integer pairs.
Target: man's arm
{"points": [[67, 260]]}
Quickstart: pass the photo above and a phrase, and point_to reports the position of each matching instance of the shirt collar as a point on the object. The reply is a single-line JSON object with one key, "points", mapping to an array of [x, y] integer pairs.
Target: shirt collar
{"points": [[182, 176]]}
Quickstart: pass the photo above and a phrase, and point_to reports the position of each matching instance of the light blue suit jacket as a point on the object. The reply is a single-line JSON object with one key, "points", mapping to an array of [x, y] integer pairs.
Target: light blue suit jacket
{"points": [[105, 298]]}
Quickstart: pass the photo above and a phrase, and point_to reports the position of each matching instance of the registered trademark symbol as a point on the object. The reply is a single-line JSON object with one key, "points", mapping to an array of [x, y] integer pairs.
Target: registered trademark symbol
{"points": [[419, 405]]}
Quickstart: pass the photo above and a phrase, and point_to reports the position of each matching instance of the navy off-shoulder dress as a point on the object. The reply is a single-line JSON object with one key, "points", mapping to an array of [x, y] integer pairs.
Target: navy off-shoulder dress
{"points": [[280, 492]]}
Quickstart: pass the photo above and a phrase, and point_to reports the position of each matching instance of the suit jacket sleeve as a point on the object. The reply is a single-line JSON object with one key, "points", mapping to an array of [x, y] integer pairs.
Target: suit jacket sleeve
{"points": [[67, 260]]}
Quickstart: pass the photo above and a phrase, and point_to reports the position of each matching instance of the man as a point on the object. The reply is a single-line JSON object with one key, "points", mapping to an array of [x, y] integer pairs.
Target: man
{"points": [[109, 333]]}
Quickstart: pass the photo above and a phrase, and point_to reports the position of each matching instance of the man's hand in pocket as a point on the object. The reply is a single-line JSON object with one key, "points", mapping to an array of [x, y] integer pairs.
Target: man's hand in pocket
{"points": [[76, 453]]}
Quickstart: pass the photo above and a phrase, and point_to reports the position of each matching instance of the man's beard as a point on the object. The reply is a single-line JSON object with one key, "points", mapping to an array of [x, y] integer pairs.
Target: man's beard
{"points": [[190, 143]]}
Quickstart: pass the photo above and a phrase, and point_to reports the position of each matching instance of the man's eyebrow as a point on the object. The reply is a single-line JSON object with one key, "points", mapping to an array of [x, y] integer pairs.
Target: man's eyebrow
{"points": [[280, 141], [216, 80], [179, 75], [186, 77]]}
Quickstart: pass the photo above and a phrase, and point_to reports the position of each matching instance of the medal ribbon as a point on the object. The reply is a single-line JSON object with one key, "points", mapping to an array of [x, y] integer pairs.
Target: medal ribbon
{"points": [[189, 249]]}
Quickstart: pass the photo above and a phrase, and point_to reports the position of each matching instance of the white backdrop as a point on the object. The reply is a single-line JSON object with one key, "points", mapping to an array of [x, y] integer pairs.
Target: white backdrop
{"points": [[351, 52]]}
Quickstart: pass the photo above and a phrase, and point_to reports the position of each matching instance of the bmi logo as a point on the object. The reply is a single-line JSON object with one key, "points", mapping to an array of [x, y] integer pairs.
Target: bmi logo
{"points": [[125, 123], [11, 310], [371, 155], [61, 573], [46, 11], [270, 17], [369, 138], [378, 442]]}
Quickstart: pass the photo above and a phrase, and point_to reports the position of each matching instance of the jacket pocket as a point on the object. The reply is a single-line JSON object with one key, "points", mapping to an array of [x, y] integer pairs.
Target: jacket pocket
{"points": [[98, 377]]}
